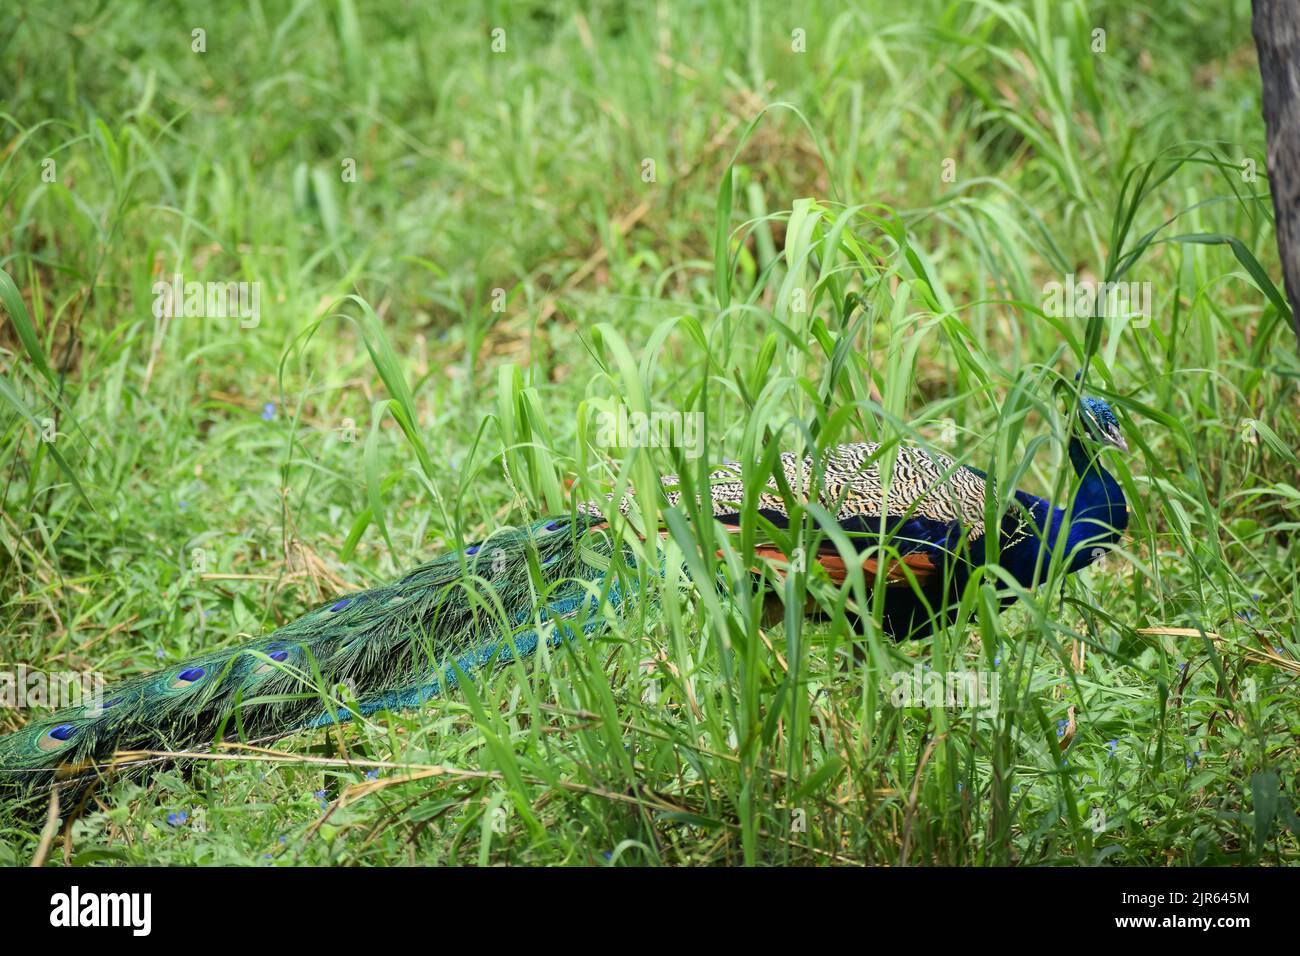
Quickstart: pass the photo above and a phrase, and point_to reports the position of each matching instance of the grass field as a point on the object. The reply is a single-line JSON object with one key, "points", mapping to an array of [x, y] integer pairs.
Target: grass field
{"points": [[471, 233]]}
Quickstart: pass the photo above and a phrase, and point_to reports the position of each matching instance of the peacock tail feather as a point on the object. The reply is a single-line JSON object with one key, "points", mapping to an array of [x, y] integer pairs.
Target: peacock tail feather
{"points": [[389, 647]]}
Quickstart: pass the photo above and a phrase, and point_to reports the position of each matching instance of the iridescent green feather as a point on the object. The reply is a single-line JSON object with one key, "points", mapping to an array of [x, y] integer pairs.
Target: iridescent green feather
{"points": [[389, 646]]}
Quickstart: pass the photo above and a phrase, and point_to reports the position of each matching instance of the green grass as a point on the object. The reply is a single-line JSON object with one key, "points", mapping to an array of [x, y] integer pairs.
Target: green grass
{"points": [[209, 481]]}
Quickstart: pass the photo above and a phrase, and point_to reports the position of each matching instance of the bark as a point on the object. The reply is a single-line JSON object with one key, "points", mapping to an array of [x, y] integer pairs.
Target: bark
{"points": [[1276, 26]]}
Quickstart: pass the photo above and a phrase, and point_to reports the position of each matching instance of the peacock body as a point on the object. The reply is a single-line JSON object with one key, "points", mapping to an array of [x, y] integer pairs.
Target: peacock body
{"points": [[397, 645]]}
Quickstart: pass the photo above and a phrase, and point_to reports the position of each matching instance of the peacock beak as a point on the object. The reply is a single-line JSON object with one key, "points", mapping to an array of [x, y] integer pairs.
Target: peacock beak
{"points": [[1116, 438]]}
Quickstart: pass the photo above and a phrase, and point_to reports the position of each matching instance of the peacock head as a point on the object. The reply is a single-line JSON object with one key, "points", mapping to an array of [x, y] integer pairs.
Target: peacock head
{"points": [[1099, 423]]}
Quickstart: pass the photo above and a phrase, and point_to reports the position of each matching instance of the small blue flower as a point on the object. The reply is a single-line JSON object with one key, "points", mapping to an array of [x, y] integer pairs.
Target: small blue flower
{"points": [[1060, 727], [1112, 746], [608, 855], [1015, 788], [160, 653], [282, 840], [177, 819], [997, 660], [268, 411], [183, 504], [320, 795], [372, 774]]}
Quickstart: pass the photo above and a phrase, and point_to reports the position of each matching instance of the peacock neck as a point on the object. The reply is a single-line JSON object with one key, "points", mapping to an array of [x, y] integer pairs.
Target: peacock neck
{"points": [[1100, 513]]}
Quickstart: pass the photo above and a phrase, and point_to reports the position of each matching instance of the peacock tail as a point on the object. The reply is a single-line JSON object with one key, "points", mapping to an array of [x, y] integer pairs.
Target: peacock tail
{"points": [[388, 647], [398, 645]]}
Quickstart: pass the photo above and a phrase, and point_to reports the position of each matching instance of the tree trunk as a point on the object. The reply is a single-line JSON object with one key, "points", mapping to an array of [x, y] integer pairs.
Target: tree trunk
{"points": [[1276, 25]]}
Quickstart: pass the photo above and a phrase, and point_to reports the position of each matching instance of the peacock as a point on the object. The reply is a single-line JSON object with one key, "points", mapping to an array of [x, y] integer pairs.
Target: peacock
{"points": [[496, 600]]}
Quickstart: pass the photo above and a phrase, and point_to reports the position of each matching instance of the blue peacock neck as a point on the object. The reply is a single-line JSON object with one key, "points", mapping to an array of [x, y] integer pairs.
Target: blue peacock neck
{"points": [[1096, 520], [1100, 512]]}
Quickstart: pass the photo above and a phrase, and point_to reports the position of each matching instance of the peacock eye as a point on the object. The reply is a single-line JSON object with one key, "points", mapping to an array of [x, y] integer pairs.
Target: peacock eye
{"points": [[341, 604], [62, 732], [191, 675], [551, 526], [278, 654], [98, 710], [472, 549]]}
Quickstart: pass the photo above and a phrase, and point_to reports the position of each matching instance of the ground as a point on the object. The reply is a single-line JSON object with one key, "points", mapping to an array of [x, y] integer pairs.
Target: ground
{"points": [[495, 226]]}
